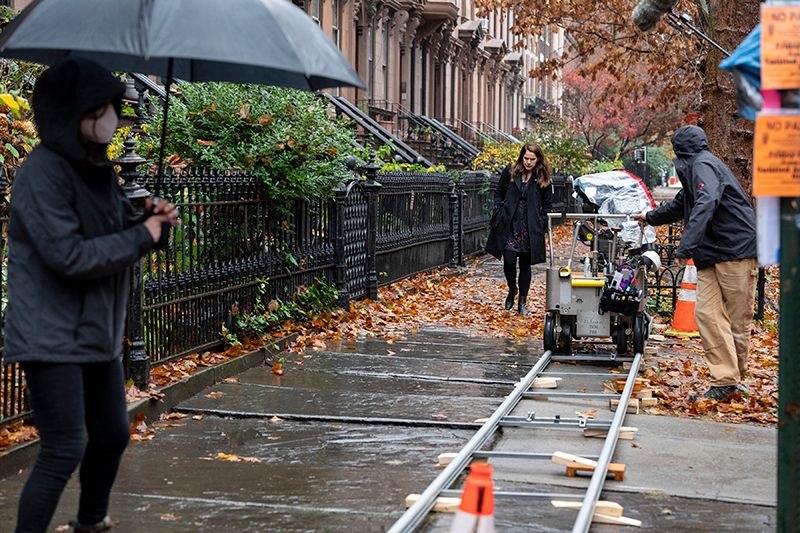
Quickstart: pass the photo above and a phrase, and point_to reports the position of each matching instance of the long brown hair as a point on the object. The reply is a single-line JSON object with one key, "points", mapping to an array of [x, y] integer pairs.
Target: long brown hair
{"points": [[541, 170]]}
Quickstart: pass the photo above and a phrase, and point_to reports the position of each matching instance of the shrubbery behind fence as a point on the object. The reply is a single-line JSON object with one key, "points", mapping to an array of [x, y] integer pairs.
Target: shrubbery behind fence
{"points": [[231, 245]]}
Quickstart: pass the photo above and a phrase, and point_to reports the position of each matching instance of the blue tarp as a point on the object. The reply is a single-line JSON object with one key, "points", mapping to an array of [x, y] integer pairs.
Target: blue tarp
{"points": [[745, 65]]}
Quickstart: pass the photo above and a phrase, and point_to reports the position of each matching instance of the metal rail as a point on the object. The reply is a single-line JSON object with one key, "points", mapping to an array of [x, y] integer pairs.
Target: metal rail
{"points": [[441, 486], [584, 520], [415, 514]]}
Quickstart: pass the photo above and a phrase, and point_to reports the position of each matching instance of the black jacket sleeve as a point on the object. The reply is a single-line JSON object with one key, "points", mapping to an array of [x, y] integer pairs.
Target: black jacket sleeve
{"points": [[44, 210], [502, 188], [707, 193], [669, 212], [547, 203]]}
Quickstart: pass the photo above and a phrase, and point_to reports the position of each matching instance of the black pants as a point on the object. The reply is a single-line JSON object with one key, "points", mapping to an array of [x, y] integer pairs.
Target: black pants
{"points": [[510, 270], [81, 416]]}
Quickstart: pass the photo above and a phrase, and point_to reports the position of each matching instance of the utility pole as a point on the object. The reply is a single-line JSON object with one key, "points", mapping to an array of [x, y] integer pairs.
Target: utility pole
{"points": [[777, 148]]}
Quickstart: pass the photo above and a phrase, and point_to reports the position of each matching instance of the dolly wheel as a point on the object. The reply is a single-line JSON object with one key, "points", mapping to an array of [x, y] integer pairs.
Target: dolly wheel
{"points": [[621, 339], [639, 333], [565, 339], [550, 332]]}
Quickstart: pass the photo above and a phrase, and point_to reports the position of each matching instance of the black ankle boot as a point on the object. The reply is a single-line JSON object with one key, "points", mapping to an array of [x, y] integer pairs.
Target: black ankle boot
{"points": [[104, 525], [522, 308], [510, 299]]}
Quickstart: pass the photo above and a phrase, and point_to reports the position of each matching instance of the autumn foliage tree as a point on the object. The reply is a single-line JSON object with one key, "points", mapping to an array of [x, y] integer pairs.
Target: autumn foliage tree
{"points": [[668, 67], [611, 123]]}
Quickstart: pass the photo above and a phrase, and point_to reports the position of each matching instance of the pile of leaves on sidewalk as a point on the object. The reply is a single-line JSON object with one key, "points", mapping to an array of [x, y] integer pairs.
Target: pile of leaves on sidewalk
{"points": [[681, 375]]}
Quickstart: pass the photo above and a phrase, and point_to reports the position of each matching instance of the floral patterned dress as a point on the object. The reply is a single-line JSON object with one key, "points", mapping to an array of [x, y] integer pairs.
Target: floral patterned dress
{"points": [[518, 240]]}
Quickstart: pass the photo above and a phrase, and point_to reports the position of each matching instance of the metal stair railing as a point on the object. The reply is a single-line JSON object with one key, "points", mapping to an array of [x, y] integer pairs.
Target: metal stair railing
{"points": [[448, 141], [450, 135], [408, 154], [472, 128], [500, 134]]}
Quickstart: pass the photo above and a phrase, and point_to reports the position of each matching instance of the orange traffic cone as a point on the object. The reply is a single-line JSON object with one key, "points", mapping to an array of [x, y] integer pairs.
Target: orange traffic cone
{"points": [[476, 512], [683, 322]]}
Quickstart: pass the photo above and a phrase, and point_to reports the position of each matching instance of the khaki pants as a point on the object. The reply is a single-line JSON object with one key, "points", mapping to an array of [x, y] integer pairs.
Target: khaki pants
{"points": [[724, 313]]}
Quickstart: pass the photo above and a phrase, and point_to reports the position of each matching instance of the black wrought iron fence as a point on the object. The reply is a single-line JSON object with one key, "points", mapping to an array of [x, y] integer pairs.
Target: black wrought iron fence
{"points": [[477, 193], [232, 251], [413, 230], [13, 404], [229, 252]]}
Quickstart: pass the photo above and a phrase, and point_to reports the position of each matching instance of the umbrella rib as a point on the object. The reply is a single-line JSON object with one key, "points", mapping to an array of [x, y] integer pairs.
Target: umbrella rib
{"points": [[145, 14]]}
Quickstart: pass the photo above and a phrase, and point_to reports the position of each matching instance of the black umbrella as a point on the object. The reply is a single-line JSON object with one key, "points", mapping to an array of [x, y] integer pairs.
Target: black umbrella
{"points": [[270, 42]]}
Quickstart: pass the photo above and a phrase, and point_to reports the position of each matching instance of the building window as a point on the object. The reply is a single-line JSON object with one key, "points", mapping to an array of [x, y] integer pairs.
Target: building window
{"points": [[337, 39], [386, 56], [336, 35], [316, 11], [371, 61]]}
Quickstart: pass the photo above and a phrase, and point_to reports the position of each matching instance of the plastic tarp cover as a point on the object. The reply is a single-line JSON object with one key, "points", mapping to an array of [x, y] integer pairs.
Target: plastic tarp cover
{"points": [[620, 193]]}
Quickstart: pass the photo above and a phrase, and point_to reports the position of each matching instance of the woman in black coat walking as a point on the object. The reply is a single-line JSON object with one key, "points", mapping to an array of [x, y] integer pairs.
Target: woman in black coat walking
{"points": [[522, 200], [72, 238]]}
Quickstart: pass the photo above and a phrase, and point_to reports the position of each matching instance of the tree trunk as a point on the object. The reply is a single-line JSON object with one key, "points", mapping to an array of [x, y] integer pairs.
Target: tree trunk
{"points": [[730, 137]]}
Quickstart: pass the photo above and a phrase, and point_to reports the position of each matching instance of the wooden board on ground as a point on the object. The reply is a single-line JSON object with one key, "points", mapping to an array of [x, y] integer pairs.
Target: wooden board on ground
{"points": [[625, 433], [446, 458], [443, 504], [616, 520], [638, 385], [610, 513], [615, 469], [644, 393], [545, 383], [602, 506], [563, 458], [633, 405], [648, 402]]}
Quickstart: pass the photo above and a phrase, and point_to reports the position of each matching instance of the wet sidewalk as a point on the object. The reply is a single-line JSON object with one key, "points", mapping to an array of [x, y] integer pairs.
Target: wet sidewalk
{"points": [[339, 441]]}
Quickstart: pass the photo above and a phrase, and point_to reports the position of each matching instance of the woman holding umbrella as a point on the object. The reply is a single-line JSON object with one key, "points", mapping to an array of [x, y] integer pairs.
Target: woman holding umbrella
{"points": [[521, 203], [72, 239]]}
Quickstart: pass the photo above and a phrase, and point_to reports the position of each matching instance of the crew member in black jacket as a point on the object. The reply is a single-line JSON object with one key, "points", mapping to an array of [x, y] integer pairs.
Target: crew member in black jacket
{"points": [[720, 236]]}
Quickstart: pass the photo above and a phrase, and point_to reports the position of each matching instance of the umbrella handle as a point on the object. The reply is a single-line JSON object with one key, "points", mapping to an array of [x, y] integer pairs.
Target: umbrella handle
{"points": [[160, 168]]}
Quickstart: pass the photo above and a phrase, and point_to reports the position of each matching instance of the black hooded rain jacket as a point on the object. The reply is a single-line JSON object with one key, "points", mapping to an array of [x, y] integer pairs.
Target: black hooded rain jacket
{"points": [[720, 224], [71, 231]]}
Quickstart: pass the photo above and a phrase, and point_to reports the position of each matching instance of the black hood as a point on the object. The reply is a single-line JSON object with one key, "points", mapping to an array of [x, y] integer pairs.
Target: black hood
{"points": [[64, 93], [689, 140]]}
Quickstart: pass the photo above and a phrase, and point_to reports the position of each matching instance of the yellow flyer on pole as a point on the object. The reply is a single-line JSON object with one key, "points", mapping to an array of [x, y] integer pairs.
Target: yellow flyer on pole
{"points": [[780, 46], [776, 166]]}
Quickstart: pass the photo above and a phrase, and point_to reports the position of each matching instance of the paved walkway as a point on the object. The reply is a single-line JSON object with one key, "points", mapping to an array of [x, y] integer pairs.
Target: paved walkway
{"points": [[347, 433]]}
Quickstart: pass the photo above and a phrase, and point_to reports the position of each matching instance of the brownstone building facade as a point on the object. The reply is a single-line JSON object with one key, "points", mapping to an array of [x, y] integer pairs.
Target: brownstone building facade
{"points": [[437, 58]]}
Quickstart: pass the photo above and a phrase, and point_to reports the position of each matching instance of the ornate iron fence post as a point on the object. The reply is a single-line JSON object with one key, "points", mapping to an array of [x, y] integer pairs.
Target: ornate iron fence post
{"points": [[339, 240], [137, 362], [452, 200], [371, 188], [462, 197]]}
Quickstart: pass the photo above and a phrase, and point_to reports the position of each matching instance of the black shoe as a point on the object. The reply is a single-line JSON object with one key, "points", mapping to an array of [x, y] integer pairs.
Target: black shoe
{"points": [[720, 393], [104, 525], [522, 309], [510, 299]]}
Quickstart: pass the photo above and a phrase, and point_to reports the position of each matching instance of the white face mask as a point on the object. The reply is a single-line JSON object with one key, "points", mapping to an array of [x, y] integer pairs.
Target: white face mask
{"points": [[100, 127]]}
